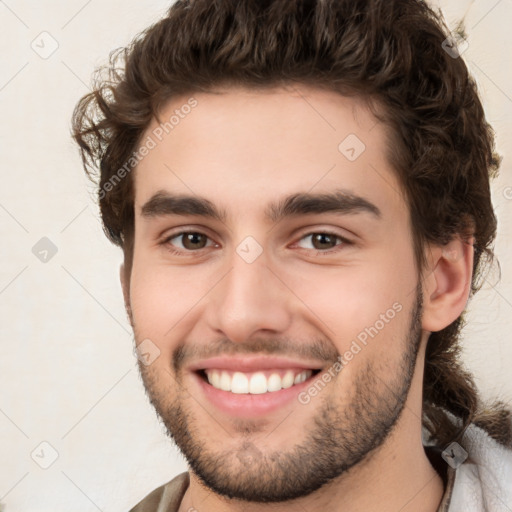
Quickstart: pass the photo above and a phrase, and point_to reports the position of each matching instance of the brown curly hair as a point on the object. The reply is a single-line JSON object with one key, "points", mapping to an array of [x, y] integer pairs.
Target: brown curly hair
{"points": [[389, 53]]}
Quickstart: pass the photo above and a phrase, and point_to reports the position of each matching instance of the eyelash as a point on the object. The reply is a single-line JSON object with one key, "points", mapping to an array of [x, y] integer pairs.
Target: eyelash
{"points": [[336, 248]]}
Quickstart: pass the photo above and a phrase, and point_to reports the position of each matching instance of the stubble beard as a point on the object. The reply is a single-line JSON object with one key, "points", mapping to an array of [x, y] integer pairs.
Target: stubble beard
{"points": [[337, 439]]}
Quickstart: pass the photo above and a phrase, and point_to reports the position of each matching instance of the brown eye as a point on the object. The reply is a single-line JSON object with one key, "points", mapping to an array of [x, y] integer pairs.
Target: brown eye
{"points": [[323, 241], [187, 241], [193, 240]]}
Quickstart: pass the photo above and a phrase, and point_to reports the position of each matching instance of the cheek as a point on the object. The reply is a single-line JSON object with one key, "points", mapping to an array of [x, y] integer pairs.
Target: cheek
{"points": [[367, 301], [161, 298]]}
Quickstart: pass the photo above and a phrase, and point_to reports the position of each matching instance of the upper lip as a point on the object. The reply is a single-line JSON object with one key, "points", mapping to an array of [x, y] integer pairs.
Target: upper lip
{"points": [[255, 363]]}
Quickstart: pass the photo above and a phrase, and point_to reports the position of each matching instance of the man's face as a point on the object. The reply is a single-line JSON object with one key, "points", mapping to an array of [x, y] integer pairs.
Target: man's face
{"points": [[264, 296]]}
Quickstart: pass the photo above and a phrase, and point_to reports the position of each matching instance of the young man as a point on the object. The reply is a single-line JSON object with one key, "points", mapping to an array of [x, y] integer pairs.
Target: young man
{"points": [[301, 192]]}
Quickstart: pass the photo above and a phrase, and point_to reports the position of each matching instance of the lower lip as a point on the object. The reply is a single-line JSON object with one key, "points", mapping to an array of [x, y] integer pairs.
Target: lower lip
{"points": [[249, 405]]}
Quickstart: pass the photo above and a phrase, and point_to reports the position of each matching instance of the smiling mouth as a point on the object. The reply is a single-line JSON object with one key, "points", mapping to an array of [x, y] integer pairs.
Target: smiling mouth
{"points": [[255, 383]]}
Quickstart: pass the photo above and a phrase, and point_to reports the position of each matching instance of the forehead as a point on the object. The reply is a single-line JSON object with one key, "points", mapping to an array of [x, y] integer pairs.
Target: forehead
{"points": [[241, 147]]}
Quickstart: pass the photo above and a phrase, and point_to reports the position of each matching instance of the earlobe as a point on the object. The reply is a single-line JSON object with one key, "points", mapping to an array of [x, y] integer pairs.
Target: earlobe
{"points": [[447, 285]]}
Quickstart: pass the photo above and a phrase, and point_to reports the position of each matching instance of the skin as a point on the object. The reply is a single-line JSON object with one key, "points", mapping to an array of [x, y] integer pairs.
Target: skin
{"points": [[242, 150]]}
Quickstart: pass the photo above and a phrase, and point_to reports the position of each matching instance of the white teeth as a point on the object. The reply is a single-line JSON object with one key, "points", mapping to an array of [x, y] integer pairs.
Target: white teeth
{"points": [[225, 381], [239, 383], [258, 384], [254, 383], [287, 381], [274, 382], [216, 379]]}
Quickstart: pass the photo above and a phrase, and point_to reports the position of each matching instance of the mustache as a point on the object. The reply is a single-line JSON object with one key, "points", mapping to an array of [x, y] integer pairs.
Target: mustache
{"points": [[321, 350]]}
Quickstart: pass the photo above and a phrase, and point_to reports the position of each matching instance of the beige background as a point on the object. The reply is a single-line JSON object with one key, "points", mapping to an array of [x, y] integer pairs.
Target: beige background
{"points": [[67, 371]]}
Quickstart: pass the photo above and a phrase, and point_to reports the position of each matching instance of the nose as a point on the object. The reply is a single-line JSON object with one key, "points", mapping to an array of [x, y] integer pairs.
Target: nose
{"points": [[250, 298]]}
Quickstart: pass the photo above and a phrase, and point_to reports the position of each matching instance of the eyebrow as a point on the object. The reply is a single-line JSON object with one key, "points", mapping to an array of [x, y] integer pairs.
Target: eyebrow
{"points": [[164, 203]]}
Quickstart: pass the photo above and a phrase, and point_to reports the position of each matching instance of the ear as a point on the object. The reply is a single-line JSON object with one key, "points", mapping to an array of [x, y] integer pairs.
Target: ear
{"points": [[126, 292], [447, 284]]}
